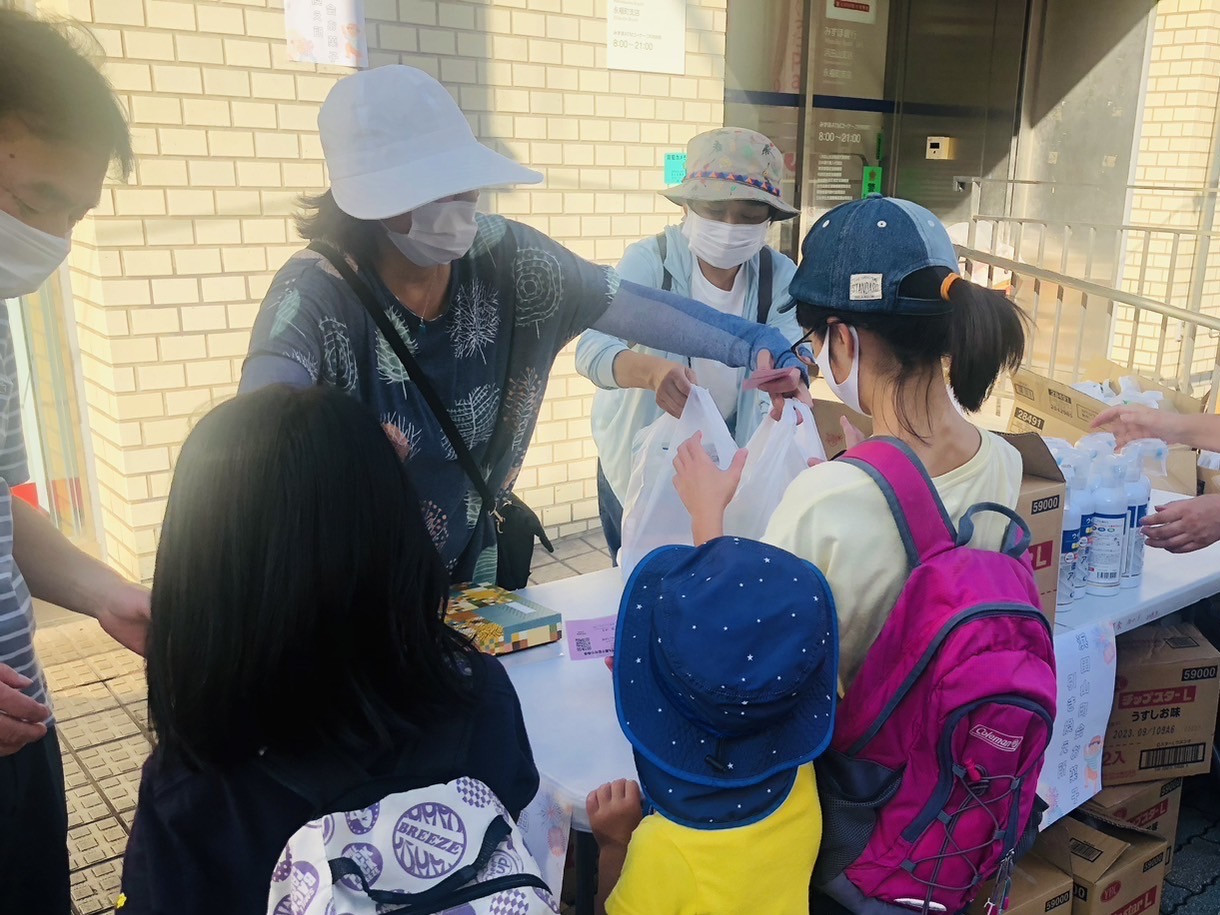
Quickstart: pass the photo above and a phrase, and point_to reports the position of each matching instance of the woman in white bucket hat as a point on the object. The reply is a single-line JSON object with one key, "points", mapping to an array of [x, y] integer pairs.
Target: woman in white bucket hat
{"points": [[446, 321], [717, 255]]}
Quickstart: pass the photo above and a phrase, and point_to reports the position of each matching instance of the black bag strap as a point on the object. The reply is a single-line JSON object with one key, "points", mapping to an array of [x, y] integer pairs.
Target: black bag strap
{"points": [[667, 279], [414, 370], [452, 891], [766, 272]]}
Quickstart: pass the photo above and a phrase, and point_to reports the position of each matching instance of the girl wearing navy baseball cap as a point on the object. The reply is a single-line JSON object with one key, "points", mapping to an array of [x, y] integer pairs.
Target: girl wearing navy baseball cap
{"points": [[884, 309]]}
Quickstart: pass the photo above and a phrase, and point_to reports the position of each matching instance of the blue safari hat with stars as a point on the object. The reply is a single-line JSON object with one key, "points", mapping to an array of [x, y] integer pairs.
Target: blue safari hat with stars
{"points": [[725, 676]]}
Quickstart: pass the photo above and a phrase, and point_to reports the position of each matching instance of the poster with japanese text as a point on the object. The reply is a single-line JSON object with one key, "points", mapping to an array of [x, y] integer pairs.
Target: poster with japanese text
{"points": [[326, 32], [1071, 774], [648, 36]]}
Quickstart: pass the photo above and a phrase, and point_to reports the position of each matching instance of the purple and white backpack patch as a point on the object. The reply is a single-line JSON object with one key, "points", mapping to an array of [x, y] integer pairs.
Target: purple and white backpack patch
{"points": [[373, 860]]}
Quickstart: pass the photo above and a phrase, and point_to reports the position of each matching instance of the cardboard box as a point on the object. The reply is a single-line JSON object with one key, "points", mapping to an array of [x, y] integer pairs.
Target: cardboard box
{"points": [[1040, 503], [1038, 887], [1117, 869], [827, 413], [1054, 409], [1165, 698], [1149, 805]]}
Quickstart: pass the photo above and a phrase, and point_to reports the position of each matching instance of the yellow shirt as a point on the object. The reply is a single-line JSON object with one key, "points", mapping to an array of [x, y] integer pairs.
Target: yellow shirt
{"points": [[835, 516], [764, 867]]}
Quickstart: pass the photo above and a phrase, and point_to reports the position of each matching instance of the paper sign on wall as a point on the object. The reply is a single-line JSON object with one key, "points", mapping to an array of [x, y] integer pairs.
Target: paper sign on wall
{"points": [[646, 35], [326, 32]]}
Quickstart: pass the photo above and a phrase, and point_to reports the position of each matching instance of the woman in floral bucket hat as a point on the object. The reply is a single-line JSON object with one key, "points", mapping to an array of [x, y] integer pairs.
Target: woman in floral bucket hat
{"points": [[717, 255]]}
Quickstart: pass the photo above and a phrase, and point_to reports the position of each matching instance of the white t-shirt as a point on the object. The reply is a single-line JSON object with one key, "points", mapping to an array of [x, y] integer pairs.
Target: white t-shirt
{"points": [[722, 382], [835, 516]]}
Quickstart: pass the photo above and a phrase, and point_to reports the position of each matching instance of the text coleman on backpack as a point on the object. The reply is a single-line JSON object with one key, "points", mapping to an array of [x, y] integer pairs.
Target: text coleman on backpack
{"points": [[299, 665], [879, 296]]}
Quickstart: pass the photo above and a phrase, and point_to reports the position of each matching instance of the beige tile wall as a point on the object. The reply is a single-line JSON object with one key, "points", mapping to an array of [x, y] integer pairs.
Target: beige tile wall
{"points": [[1175, 147], [169, 270]]}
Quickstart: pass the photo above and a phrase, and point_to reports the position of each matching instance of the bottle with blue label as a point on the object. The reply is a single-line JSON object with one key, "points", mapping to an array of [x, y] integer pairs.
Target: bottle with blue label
{"points": [[1109, 527]]}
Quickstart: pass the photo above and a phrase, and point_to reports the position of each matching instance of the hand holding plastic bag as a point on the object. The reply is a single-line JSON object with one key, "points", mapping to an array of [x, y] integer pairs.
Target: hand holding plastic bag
{"points": [[778, 451], [653, 513]]}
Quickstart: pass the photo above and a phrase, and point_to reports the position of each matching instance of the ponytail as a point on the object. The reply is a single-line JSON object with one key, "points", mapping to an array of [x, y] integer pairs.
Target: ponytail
{"points": [[982, 333], [986, 337]]}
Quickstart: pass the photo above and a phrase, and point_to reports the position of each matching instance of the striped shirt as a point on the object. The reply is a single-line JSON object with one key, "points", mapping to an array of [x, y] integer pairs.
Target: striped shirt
{"points": [[16, 608]]}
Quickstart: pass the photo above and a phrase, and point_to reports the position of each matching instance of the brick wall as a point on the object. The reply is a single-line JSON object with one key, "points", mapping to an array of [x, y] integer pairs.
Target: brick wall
{"points": [[168, 271], [1175, 147]]}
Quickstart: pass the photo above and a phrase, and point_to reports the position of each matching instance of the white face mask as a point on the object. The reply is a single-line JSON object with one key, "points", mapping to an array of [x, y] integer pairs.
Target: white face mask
{"points": [[441, 232], [28, 256], [721, 244], [849, 390]]}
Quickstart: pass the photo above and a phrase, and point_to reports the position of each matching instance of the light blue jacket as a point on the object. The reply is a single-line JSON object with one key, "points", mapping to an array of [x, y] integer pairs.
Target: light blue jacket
{"points": [[620, 413]]}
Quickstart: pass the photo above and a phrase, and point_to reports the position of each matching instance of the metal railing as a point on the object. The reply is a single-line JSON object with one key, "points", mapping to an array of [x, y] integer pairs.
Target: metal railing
{"points": [[1133, 265], [1072, 321]]}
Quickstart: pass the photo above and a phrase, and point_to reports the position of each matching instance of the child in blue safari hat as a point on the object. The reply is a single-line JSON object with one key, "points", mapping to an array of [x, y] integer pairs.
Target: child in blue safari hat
{"points": [[726, 660]]}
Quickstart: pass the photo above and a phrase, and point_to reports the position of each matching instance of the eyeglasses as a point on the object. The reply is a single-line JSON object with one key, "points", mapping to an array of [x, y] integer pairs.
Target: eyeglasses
{"points": [[803, 350]]}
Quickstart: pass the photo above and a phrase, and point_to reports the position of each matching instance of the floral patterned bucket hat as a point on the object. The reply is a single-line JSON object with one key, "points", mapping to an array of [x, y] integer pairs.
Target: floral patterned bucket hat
{"points": [[733, 163]]}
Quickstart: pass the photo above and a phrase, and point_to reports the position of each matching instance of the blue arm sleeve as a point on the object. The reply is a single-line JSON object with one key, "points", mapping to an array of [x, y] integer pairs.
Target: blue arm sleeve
{"points": [[671, 323], [263, 370]]}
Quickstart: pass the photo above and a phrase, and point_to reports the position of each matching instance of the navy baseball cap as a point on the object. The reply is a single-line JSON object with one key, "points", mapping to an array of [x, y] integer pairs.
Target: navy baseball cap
{"points": [[858, 254], [725, 675]]}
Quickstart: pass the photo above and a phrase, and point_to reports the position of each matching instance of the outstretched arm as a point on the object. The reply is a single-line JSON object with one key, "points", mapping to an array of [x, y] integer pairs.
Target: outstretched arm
{"points": [[676, 325]]}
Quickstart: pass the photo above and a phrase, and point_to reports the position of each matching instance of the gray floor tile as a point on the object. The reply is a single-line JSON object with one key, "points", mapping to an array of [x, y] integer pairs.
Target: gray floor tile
{"points": [[85, 805], [83, 700], [94, 889], [129, 688], [99, 728], [68, 674], [116, 663], [595, 561], [554, 572], [570, 546], [111, 759], [122, 791], [95, 842]]}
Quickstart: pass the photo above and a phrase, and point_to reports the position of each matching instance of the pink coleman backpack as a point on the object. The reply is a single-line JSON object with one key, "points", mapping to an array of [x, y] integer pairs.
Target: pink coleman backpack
{"points": [[928, 789]]}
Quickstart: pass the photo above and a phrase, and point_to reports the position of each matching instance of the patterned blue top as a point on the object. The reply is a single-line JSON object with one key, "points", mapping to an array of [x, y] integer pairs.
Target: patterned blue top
{"points": [[311, 316]]}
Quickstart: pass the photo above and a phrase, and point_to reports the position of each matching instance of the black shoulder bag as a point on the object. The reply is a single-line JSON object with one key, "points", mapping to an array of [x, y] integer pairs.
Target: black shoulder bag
{"points": [[516, 524]]}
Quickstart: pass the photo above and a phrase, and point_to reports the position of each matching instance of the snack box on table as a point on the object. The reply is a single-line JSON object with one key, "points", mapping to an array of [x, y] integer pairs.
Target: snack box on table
{"points": [[1149, 805], [1057, 410], [1166, 692], [1117, 868], [499, 621]]}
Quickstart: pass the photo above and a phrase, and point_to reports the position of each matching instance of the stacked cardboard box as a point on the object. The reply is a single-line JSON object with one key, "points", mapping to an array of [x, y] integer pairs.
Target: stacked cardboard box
{"points": [[1117, 868], [1150, 805], [1166, 693], [1057, 410]]}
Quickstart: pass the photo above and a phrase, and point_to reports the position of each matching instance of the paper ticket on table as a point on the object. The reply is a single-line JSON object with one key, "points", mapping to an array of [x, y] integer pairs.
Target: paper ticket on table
{"points": [[590, 639]]}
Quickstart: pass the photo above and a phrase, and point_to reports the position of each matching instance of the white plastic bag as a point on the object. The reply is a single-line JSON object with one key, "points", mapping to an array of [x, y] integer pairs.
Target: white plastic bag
{"points": [[653, 513], [778, 451]]}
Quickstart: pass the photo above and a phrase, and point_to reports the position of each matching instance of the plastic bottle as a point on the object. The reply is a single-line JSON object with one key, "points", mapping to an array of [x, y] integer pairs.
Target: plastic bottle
{"points": [[1082, 496], [1142, 456], [1109, 527], [1069, 548]]}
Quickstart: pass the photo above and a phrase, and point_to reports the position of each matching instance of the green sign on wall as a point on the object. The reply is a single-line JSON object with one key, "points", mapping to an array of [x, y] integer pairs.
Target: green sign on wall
{"points": [[872, 180], [675, 168]]}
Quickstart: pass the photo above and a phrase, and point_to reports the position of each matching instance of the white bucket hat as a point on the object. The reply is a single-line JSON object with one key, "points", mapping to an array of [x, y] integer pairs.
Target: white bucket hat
{"points": [[394, 140]]}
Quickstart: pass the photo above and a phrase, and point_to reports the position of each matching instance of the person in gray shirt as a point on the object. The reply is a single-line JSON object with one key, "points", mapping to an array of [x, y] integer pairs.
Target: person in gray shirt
{"points": [[61, 128]]}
